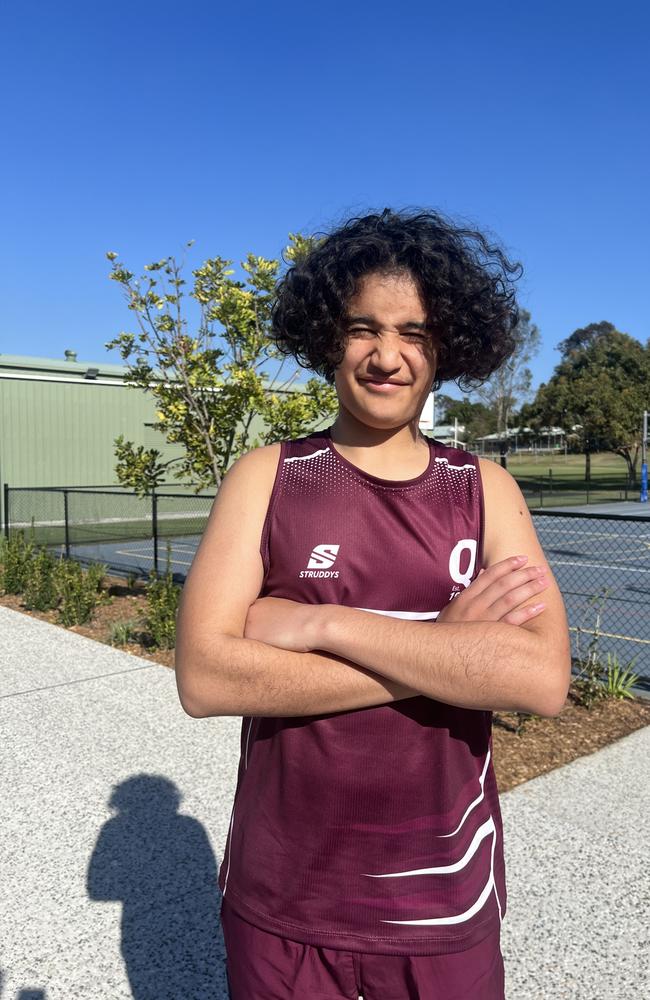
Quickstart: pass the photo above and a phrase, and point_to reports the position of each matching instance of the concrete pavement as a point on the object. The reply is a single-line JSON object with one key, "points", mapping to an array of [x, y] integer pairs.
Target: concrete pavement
{"points": [[115, 810]]}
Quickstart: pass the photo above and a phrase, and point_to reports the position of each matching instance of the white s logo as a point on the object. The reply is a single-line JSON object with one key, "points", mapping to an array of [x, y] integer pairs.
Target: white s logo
{"points": [[323, 556]]}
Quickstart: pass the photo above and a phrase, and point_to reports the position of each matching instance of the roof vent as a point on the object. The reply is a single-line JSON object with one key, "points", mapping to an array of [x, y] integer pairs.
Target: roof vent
{"points": [[70, 355]]}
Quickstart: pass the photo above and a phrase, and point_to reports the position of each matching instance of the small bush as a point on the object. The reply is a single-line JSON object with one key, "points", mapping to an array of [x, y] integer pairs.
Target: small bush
{"points": [[619, 678], [122, 632], [131, 579], [163, 596], [78, 591], [15, 556], [588, 685], [96, 574], [40, 592]]}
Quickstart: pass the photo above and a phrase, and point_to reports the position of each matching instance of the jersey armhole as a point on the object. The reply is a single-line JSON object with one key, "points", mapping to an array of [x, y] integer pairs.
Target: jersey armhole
{"points": [[266, 528], [481, 516]]}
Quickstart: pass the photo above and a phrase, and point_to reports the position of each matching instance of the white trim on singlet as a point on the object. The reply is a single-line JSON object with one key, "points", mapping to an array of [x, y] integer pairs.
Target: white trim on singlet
{"points": [[412, 616], [476, 801], [486, 829], [481, 833], [232, 815], [303, 458], [468, 465], [458, 918]]}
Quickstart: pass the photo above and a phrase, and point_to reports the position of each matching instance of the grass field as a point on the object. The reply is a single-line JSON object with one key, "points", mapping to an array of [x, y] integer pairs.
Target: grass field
{"points": [[605, 467], [559, 480]]}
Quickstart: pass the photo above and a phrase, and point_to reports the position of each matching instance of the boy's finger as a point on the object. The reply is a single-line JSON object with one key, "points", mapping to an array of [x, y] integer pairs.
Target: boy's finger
{"points": [[497, 572], [512, 599], [522, 615]]}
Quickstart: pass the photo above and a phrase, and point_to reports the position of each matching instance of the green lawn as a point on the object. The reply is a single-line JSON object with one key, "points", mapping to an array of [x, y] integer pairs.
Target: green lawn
{"points": [[605, 466], [558, 480]]}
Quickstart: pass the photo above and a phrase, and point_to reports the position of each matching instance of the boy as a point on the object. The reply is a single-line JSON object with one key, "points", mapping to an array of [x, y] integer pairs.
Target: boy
{"points": [[364, 856]]}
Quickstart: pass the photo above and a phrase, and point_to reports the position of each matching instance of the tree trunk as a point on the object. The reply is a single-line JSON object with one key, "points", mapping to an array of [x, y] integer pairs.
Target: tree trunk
{"points": [[630, 462]]}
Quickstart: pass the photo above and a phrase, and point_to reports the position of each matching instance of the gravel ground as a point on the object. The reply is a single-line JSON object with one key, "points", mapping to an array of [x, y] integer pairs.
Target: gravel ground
{"points": [[115, 812]]}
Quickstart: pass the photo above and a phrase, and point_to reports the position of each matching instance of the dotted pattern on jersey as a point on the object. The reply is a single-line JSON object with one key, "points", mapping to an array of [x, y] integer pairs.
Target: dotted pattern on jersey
{"points": [[322, 472]]}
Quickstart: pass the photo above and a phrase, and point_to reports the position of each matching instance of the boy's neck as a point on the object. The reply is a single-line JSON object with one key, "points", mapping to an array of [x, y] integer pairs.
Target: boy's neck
{"points": [[390, 453]]}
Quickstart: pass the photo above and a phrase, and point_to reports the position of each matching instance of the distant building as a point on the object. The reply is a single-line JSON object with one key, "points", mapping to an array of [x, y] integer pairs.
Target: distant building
{"points": [[547, 439], [449, 434], [59, 420]]}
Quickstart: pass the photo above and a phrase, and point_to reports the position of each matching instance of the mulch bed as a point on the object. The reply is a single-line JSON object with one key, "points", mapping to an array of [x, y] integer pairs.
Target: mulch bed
{"points": [[541, 746]]}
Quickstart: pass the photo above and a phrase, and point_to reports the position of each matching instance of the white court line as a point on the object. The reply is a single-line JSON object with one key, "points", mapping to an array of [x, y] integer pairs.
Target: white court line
{"points": [[621, 569], [566, 529]]}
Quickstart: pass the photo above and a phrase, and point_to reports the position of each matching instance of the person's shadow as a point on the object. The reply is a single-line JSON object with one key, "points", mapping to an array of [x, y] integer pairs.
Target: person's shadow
{"points": [[160, 865]]}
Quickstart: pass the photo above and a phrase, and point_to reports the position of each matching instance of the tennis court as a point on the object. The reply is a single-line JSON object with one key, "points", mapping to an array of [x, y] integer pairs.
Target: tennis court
{"points": [[599, 553], [600, 559]]}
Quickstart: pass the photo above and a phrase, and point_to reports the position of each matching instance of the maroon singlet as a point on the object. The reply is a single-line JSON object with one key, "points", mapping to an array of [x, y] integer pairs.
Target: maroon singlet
{"points": [[375, 830]]}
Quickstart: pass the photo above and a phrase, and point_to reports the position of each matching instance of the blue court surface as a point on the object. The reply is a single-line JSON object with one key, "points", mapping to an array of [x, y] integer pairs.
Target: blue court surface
{"points": [[598, 553]]}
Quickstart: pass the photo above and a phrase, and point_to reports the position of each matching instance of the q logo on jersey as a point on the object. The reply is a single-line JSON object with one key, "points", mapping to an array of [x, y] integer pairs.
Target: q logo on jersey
{"points": [[458, 557]]}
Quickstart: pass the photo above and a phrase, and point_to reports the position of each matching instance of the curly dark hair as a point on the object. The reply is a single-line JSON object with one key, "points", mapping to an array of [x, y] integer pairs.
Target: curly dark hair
{"points": [[466, 284]]}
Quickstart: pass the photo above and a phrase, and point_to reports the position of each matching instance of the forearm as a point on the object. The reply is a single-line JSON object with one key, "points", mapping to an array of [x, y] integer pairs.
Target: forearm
{"points": [[480, 665], [247, 677]]}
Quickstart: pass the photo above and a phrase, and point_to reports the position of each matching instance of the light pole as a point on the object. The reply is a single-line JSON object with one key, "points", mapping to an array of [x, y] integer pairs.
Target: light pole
{"points": [[644, 464]]}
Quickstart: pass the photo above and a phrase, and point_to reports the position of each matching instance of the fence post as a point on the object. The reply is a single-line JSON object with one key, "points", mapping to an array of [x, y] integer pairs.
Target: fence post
{"points": [[154, 519], [6, 507], [541, 493], [65, 520]]}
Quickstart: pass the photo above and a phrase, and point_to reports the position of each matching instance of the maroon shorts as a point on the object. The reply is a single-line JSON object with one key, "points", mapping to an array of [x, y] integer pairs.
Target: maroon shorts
{"points": [[263, 966]]}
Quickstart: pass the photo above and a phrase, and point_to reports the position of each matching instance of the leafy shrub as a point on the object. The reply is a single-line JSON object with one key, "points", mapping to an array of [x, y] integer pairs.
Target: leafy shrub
{"points": [[78, 591], [40, 592], [122, 632], [589, 685], [15, 556], [163, 596], [620, 678], [96, 573]]}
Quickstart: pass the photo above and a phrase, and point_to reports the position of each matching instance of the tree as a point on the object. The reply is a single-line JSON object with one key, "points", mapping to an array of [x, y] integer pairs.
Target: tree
{"points": [[510, 384], [476, 418], [207, 395], [600, 388]]}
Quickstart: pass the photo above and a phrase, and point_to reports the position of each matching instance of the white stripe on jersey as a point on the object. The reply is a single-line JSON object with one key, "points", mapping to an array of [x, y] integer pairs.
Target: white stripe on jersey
{"points": [[411, 616], [303, 458]]}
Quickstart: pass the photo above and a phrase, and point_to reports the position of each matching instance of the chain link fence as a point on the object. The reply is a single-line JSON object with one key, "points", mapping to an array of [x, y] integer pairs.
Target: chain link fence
{"points": [[602, 566], [543, 491], [601, 562], [110, 525]]}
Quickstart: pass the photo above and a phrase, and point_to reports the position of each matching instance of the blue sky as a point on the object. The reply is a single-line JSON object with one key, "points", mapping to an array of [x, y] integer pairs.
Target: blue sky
{"points": [[136, 127]]}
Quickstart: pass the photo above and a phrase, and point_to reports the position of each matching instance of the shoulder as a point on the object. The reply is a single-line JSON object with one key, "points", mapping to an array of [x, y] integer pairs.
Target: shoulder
{"points": [[256, 466], [507, 519], [497, 482]]}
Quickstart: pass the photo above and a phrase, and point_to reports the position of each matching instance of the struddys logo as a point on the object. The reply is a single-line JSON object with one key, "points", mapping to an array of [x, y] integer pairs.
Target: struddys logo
{"points": [[462, 563], [320, 560]]}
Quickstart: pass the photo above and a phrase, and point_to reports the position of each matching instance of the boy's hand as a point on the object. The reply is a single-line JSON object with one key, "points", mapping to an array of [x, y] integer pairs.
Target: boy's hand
{"points": [[281, 622], [498, 593]]}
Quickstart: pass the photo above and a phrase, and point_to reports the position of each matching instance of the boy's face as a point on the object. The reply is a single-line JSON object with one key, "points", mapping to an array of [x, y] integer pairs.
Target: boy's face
{"points": [[390, 356]]}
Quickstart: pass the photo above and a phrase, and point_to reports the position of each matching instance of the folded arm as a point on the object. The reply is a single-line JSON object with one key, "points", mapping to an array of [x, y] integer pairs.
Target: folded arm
{"points": [[218, 670], [236, 655], [480, 664]]}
